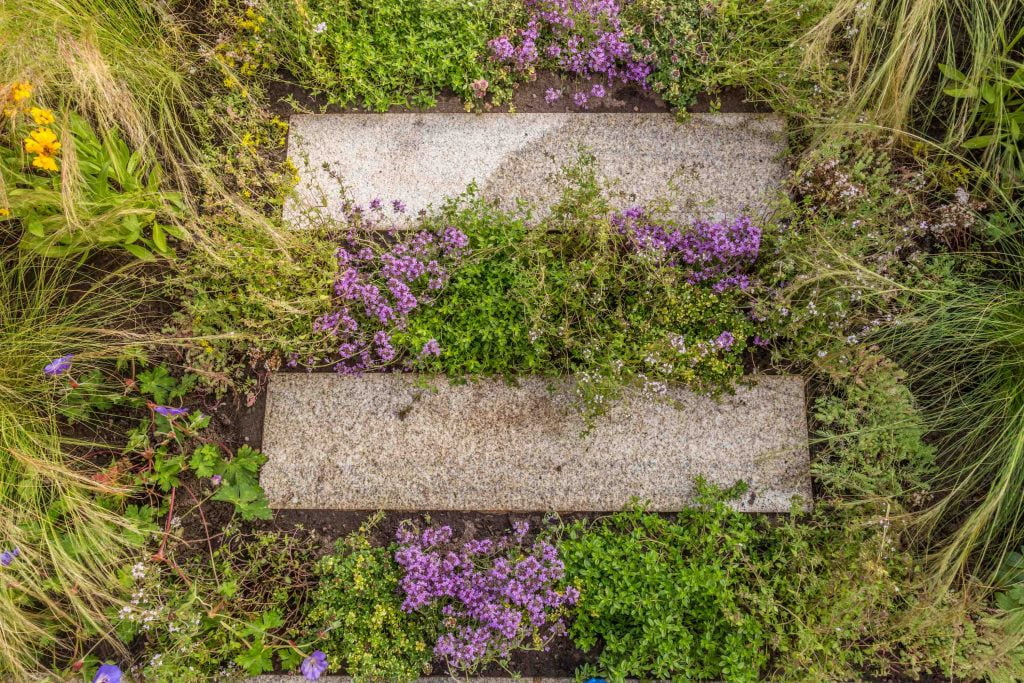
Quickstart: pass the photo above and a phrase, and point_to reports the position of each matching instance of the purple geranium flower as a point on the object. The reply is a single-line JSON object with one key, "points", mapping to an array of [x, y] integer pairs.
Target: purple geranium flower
{"points": [[314, 665], [216, 479], [108, 673], [58, 366], [170, 411]]}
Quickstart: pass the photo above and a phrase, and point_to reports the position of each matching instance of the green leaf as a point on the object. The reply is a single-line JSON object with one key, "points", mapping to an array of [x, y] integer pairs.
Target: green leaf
{"points": [[980, 142], [140, 252], [961, 92], [160, 238], [952, 73], [157, 383], [255, 660], [207, 460]]}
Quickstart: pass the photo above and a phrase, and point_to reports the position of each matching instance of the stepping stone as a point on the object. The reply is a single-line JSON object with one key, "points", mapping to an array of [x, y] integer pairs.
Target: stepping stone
{"points": [[711, 165], [387, 441]]}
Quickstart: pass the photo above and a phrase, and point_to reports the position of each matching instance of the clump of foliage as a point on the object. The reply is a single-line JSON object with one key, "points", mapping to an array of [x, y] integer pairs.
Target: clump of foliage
{"points": [[716, 593], [855, 237], [613, 297], [106, 196], [170, 440], [55, 510], [497, 595], [381, 53], [238, 611], [870, 431], [707, 46], [895, 48], [356, 612], [961, 345], [991, 107]]}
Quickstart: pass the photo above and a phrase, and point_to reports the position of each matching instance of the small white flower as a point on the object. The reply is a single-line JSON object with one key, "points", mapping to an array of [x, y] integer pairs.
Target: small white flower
{"points": [[320, 28]]}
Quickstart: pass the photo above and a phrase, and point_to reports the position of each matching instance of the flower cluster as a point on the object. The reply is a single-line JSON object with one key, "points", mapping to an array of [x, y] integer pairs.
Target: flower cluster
{"points": [[581, 37], [716, 252], [379, 285], [42, 142], [496, 595]]}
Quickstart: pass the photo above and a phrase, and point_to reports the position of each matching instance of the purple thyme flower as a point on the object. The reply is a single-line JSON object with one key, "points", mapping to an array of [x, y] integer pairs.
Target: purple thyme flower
{"points": [[398, 206], [108, 673], [551, 95], [58, 366], [597, 91], [170, 412], [501, 48], [314, 665], [431, 348], [496, 595], [580, 99], [376, 204], [725, 341], [479, 87]]}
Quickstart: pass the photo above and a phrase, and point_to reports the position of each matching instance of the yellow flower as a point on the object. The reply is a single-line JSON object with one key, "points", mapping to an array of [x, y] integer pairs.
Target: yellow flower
{"points": [[42, 117], [42, 141], [45, 163], [4, 213], [21, 91]]}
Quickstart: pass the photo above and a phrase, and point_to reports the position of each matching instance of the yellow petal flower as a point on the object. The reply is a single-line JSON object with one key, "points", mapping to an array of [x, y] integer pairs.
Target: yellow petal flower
{"points": [[21, 91], [42, 117], [42, 141], [45, 163], [4, 213]]}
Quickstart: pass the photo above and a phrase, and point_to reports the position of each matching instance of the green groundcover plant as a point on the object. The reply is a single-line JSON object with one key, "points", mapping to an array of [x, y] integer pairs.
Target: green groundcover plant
{"points": [[719, 594], [381, 53], [611, 296], [356, 610]]}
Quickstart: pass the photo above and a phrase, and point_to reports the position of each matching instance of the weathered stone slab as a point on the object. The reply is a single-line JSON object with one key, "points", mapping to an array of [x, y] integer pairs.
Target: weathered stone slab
{"points": [[712, 165], [380, 441]]}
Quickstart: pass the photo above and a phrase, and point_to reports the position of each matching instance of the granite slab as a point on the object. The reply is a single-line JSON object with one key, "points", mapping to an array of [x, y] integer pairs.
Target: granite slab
{"points": [[408, 442], [711, 165]]}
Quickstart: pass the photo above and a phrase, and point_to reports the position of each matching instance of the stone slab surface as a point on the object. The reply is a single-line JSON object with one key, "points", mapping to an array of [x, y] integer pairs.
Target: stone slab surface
{"points": [[383, 441], [712, 165]]}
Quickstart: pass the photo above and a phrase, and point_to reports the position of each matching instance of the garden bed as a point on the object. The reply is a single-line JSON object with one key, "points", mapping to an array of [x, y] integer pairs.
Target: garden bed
{"points": [[152, 285]]}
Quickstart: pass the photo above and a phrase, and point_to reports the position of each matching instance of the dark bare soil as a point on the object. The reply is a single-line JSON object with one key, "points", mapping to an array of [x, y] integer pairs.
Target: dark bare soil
{"points": [[528, 98]]}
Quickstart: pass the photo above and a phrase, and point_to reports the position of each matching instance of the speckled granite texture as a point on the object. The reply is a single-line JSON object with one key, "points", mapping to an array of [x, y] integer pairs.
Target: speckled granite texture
{"points": [[712, 165], [382, 441]]}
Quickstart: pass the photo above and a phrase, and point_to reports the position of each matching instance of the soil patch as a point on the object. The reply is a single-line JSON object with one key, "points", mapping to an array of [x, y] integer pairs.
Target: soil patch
{"points": [[528, 98]]}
